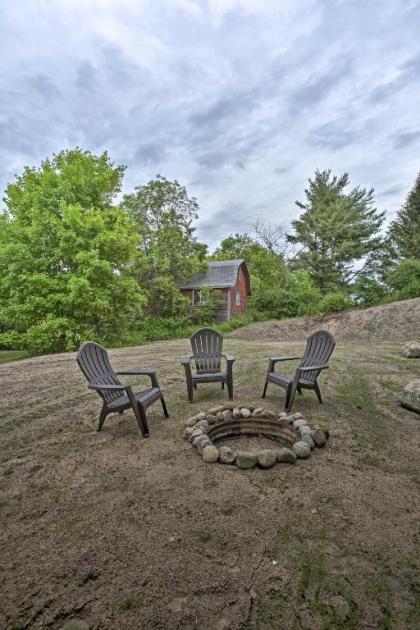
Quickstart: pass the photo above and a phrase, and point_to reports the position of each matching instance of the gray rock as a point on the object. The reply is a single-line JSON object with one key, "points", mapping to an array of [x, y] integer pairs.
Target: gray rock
{"points": [[297, 415], [245, 412], [203, 424], [301, 449], [300, 422], [211, 418], [270, 414], [226, 455], [259, 411], [305, 429], [210, 454], [220, 415], [308, 439], [195, 434], [320, 437], [266, 458], [201, 439], [412, 350], [188, 433], [190, 422], [245, 460], [200, 416], [286, 456], [236, 413], [410, 396], [283, 414], [284, 422], [215, 410], [200, 446], [227, 414]]}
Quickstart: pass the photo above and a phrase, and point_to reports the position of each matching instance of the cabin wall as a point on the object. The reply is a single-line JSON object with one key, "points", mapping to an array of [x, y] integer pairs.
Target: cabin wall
{"points": [[240, 286], [223, 312]]}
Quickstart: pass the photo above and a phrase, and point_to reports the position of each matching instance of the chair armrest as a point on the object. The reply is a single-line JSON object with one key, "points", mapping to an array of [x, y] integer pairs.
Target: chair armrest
{"points": [[136, 373], [99, 386], [229, 357], [275, 359], [186, 360], [312, 368]]}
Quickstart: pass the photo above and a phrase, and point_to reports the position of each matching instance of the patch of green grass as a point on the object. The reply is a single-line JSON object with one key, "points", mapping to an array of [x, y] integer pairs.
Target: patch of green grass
{"points": [[3, 503], [130, 603], [13, 355]]}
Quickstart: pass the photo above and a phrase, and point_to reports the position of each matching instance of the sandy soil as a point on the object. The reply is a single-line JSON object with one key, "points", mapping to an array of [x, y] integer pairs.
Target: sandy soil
{"points": [[109, 530], [397, 321]]}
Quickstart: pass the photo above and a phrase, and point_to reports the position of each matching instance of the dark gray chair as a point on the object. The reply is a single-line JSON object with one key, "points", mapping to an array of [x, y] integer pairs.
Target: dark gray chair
{"points": [[319, 347], [94, 362], [207, 346]]}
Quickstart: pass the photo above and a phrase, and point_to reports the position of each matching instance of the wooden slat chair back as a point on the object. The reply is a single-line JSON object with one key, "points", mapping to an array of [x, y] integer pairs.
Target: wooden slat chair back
{"points": [[94, 362], [207, 348], [207, 353], [319, 347]]}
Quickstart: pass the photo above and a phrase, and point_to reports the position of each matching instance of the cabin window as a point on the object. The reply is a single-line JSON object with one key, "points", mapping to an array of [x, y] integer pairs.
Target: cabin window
{"points": [[199, 298], [238, 298]]}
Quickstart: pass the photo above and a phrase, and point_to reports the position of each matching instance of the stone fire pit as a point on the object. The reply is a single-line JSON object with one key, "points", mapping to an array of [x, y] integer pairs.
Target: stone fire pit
{"points": [[292, 435]]}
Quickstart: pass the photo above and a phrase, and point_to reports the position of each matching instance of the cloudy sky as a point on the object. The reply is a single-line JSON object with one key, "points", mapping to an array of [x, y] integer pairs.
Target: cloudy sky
{"points": [[240, 100]]}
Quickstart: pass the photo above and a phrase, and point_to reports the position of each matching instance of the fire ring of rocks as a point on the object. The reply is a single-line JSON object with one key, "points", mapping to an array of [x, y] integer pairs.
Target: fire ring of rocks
{"points": [[290, 431]]}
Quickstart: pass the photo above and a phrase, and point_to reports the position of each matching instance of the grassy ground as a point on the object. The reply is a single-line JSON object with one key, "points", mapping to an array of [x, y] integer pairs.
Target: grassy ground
{"points": [[113, 531], [12, 355]]}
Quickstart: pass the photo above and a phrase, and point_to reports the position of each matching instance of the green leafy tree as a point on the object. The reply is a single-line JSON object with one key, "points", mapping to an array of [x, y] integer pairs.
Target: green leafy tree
{"points": [[164, 215], [404, 280], [405, 230], [336, 230], [67, 254]]}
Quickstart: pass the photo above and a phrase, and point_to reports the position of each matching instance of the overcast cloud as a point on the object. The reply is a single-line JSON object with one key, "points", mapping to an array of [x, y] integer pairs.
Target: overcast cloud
{"points": [[240, 100]]}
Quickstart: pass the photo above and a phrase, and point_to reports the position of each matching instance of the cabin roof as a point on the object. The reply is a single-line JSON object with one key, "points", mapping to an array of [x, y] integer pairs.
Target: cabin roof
{"points": [[219, 275]]}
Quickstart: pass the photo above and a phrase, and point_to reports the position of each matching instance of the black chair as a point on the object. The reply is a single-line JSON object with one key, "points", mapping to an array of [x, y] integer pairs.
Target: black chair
{"points": [[94, 362], [319, 347], [207, 346]]}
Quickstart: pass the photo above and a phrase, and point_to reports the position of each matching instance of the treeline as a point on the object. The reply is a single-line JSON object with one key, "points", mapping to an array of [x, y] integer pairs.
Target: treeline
{"points": [[76, 263]]}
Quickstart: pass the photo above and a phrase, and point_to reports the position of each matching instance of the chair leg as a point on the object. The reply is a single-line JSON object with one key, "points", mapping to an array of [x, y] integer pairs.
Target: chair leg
{"points": [[265, 389], [223, 385], [190, 390], [317, 392], [102, 417], [140, 414], [230, 388], [165, 410], [291, 391], [299, 391], [195, 385]]}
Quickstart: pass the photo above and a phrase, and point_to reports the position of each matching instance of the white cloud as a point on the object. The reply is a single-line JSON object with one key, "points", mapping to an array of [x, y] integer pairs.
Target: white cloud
{"points": [[241, 100]]}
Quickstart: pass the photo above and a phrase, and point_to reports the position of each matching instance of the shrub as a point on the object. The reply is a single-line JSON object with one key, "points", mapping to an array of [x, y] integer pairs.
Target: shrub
{"points": [[405, 279], [56, 334], [333, 302]]}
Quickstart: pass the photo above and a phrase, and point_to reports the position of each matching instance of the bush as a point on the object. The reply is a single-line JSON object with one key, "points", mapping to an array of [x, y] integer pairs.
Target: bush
{"points": [[56, 334], [298, 296], [368, 292], [12, 340], [333, 302], [405, 279]]}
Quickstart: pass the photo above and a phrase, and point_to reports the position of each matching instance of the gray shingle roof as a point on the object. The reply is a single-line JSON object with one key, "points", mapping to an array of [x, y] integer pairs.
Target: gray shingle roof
{"points": [[220, 274]]}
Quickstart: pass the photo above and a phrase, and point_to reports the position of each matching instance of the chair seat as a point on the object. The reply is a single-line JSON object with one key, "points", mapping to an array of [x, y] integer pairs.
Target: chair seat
{"points": [[146, 397], [285, 381], [209, 377]]}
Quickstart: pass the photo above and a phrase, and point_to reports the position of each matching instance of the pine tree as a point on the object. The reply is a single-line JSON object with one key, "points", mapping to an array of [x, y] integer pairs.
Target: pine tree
{"points": [[405, 229], [336, 230]]}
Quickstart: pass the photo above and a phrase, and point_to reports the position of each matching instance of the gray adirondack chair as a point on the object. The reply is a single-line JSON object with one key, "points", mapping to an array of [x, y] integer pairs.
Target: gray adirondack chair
{"points": [[319, 348], [94, 362], [207, 346]]}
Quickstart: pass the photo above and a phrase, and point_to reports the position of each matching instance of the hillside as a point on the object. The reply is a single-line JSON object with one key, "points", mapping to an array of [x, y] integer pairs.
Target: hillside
{"points": [[399, 321]]}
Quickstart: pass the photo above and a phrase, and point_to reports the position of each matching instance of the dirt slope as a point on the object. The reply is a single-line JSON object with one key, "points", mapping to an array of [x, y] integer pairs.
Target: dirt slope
{"points": [[398, 321]]}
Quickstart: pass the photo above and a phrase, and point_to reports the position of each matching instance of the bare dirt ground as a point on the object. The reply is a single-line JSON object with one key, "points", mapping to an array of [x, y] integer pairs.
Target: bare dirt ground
{"points": [[109, 530], [397, 321]]}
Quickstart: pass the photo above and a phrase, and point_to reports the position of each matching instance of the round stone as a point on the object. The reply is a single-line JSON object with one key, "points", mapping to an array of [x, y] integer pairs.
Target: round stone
{"points": [[245, 460], [307, 438], [215, 410], [210, 454], [297, 415], [300, 422], [266, 458], [187, 433], [227, 414], [211, 419], [201, 439], [283, 414], [284, 422], [259, 411], [286, 456], [305, 429], [301, 449], [190, 422], [200, 446], [226, 455], [236, 413], [245, 413], [220, 415], [203, 424], [320, 437]]}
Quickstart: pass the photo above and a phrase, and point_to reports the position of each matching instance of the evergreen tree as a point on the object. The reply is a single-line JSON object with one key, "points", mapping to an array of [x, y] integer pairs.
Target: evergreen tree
{"points": [[336, 230], [405, 229]]}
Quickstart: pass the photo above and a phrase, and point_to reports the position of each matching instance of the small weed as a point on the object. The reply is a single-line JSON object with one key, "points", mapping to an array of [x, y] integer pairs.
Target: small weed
{"points": [[131, 603]]}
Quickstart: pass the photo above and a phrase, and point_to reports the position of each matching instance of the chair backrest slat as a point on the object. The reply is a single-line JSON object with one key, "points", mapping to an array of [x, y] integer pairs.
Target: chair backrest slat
{"points": [[94, 362], [207, 347], [319, 347]]}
